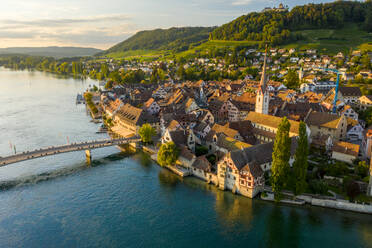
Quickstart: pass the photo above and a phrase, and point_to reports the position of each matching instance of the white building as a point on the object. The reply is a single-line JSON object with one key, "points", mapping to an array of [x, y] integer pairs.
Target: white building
{"points": [[263, 97]]}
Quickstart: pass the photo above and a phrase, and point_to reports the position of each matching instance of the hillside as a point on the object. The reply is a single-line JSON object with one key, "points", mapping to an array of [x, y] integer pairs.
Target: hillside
{"points": [[174, 39], [56, 52], [279, 28], [330, 28]]}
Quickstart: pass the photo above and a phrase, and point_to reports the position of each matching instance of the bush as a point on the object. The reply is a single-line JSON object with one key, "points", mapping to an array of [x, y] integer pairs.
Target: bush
{"points": [[362, 169], [337, 169], [352, 190], [201, 150], [212, 159], [318, 187]]}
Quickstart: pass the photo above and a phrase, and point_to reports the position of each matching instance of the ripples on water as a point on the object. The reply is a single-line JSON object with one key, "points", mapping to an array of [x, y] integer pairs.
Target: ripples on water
{"points": [[128, 201]]}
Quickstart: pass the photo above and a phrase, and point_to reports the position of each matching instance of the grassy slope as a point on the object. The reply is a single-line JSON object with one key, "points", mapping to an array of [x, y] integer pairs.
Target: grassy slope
{"points": [[217, 44], [333, 41], [325, 40]]}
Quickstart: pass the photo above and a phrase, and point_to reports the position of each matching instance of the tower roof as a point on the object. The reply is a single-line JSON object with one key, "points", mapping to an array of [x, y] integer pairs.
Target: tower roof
{"points": [[264, 78]]}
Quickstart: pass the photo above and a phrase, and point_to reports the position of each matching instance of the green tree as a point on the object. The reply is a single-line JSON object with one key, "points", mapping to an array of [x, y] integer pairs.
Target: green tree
{"points": [[291, 80], [281, 155], [115, 76], [104, 70], [362, 169], [167, 154], [45, 65], [181, 73], [366, 61], [109, 84], [64, 68], [146, 132], [300, 163]]}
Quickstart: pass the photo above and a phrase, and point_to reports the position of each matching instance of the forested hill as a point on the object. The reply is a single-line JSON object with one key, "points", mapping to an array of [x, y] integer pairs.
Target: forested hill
{"points": [[53, 51], [279, 27], [176, 39]]}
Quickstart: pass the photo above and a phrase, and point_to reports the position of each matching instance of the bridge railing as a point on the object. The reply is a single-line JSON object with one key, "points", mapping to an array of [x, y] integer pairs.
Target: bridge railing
{"points": [[62, 148]]}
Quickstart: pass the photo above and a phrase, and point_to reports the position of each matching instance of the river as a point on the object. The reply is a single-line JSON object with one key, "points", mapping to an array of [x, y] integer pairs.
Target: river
{"points": [[127, 200]]}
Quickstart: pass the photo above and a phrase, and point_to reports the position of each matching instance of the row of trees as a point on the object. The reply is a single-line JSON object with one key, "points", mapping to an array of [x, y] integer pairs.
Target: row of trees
{"points": [[88, 99], [61, 66], [283, 176]]}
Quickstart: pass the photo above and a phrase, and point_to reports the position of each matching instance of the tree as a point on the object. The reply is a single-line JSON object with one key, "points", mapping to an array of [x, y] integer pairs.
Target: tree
{"points": [[291, 80], [352, 190], [366, 61], [115, 76], [104, 70], [300, 163], [362, 169], [109, 84], [181, 72], [167, 154], [281, 155], [146, 132]]}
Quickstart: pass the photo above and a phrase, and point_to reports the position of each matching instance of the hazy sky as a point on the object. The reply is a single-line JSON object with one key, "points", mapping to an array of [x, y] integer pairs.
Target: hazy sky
{"points": [[102, 23]]}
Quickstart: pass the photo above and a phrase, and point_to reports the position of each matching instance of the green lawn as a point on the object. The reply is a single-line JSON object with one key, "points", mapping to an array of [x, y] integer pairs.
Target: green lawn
{"points": [[217, 44], [333, 41], [136, 54]]}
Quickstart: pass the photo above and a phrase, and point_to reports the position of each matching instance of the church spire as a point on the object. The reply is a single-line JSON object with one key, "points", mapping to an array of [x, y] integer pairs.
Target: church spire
{"points": [[264, 76], [262, 96]]}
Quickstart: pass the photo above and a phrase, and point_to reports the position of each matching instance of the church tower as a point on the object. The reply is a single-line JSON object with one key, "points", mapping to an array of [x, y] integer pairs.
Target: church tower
{"points": [[263, 96]]}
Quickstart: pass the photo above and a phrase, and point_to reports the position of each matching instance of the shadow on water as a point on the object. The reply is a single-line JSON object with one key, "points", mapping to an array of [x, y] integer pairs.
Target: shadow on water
{"points": [[144, 160], [168, 179], [66, 171]]}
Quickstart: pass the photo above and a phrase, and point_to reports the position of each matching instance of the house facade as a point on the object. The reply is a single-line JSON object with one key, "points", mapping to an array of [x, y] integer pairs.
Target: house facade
{"points": [[326, 124], [132, 118], [345, 152], [240, 172], [265, 127], [365, 102], [151, 106]]}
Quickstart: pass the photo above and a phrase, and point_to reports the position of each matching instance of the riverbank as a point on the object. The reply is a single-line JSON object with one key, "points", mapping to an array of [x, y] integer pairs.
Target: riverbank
{"points": [[299, 201], [319, 201], [267, 194]]}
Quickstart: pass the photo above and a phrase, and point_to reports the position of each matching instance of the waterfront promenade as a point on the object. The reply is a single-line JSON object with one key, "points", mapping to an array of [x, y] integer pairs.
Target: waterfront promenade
{"points": [[53, 150]]}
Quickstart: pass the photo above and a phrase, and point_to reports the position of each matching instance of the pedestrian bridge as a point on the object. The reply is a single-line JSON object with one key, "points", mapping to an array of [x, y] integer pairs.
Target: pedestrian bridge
{"points": [[53, 150]]}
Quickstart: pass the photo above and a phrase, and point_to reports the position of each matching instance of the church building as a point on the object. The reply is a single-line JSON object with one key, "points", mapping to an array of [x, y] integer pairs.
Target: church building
{"points": [[263, 95]]}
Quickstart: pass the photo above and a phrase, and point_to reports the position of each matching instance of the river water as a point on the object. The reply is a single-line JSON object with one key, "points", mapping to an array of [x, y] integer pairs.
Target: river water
{"points": [[126, 200]]}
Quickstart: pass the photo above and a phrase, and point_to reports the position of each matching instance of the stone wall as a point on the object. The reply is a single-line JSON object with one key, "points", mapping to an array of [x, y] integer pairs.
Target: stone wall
{"points": [[369, 189], [342, 205]]}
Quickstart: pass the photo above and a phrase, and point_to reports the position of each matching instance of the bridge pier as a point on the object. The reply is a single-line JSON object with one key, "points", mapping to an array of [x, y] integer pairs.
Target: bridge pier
{"points": [[88, 156]]}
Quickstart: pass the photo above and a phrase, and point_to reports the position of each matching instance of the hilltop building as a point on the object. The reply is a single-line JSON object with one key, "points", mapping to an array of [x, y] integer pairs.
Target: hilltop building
{"points": [[281, 8]]}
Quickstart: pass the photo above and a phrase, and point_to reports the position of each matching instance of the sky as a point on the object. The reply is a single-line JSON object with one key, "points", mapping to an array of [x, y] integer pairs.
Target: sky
{"points": [[101, 24]]}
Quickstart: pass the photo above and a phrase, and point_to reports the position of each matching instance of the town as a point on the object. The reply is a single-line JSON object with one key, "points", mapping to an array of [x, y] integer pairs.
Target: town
{"points": [[224, 131]]}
